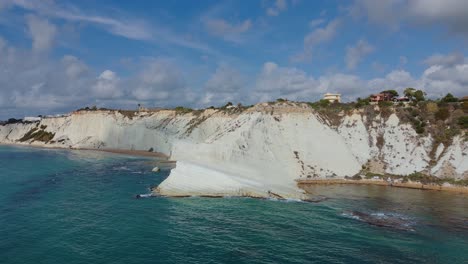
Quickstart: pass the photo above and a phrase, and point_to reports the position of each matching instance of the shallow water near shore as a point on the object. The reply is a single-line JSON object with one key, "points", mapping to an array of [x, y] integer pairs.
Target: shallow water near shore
{"points": [[60, 206]]}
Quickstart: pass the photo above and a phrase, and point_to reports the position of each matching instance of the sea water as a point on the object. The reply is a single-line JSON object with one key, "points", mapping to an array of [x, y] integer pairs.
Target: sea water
{"points": [[59, 206]]}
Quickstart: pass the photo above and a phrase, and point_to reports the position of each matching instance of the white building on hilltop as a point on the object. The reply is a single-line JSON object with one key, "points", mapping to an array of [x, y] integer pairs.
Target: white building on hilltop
{"points": [[32, 119], [332, 98]]}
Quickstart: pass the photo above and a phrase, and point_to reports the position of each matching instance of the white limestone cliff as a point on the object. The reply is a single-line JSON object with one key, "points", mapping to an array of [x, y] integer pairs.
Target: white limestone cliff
{"points": [[260, 151]]}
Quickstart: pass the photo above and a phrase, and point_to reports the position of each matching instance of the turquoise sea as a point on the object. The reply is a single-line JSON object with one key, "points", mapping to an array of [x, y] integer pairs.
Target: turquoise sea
{"points": [[60, 206]]}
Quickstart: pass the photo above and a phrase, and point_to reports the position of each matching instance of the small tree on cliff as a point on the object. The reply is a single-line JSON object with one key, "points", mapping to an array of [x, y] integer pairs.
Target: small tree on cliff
{"points": [[449, 98], [414, 95]]}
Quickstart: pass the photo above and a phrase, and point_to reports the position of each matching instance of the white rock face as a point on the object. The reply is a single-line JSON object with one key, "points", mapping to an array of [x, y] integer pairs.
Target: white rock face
{"points": [[260, 151], [454, 162]]}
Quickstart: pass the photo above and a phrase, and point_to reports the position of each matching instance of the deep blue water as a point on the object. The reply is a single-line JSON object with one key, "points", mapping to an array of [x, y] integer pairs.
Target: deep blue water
{"points": [[59, 206]]}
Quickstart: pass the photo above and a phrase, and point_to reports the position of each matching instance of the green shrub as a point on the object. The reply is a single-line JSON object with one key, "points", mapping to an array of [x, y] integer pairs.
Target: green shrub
{"points": [[432, 107], [424, 178], [385, 104], [28, 135], [182, 110], [37, 135], [419, 129], [362, 102], [463, 122], [449, 98], [320, 104], [442, 114]]}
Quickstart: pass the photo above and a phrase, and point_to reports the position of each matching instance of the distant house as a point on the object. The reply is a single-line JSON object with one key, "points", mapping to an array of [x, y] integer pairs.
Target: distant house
{"points": [[463, 99], [401, 99], [32, 119], [332, 98]]}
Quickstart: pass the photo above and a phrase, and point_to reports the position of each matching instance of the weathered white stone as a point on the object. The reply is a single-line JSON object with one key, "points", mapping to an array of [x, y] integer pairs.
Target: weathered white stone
{"points": [[261, 150]]}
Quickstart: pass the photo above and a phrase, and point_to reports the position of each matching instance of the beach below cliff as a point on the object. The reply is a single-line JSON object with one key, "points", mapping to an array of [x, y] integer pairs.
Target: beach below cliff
{"points": [[309, 185]]}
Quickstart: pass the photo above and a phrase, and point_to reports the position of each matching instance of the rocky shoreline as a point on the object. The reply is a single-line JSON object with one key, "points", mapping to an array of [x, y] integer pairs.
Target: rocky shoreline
{"points": [[410, 185]]}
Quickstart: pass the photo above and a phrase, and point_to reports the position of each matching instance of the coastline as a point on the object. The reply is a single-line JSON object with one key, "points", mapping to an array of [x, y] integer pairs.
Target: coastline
{"points": [[138, 153], [407, 185], [301, 183]]}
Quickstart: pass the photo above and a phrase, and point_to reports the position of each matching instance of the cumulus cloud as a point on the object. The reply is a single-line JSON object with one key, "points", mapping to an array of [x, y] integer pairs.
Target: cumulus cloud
{"points": [[74, 68], [274, 82], [277, 7], [453, 14], [354, 54], [224, 85], [42, 33], [382, 12], [438, 81], [158, 81], [228, 31], [32, 85], [445, 60], [107, 86]]}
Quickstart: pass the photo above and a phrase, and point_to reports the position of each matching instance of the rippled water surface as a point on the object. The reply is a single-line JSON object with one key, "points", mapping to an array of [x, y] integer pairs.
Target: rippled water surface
{"points": [[61, 206]]}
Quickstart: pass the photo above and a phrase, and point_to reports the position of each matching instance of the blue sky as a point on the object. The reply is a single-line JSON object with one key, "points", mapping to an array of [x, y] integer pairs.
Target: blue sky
{"points": [[56, 56]]}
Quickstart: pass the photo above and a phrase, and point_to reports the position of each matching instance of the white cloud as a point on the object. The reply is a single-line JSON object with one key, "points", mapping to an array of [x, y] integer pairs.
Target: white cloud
{"points": [[277, 7], [450, 14], [42, 33], [453, 14], [316, 22], [317, 36], [118, 24], [445, 60], [274, 82], [226, 30], [36, 85], [354, 54], [74, 68], [128, 28], [224, 85], [107, 85], [32, 85], [159, 80], [321, 35], [382, 12], [403, 60], [2, 44]]}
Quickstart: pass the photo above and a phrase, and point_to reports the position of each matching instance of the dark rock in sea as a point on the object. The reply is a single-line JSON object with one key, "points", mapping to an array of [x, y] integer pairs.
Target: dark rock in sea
{"points": [[316, 199], [387, 220]]}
